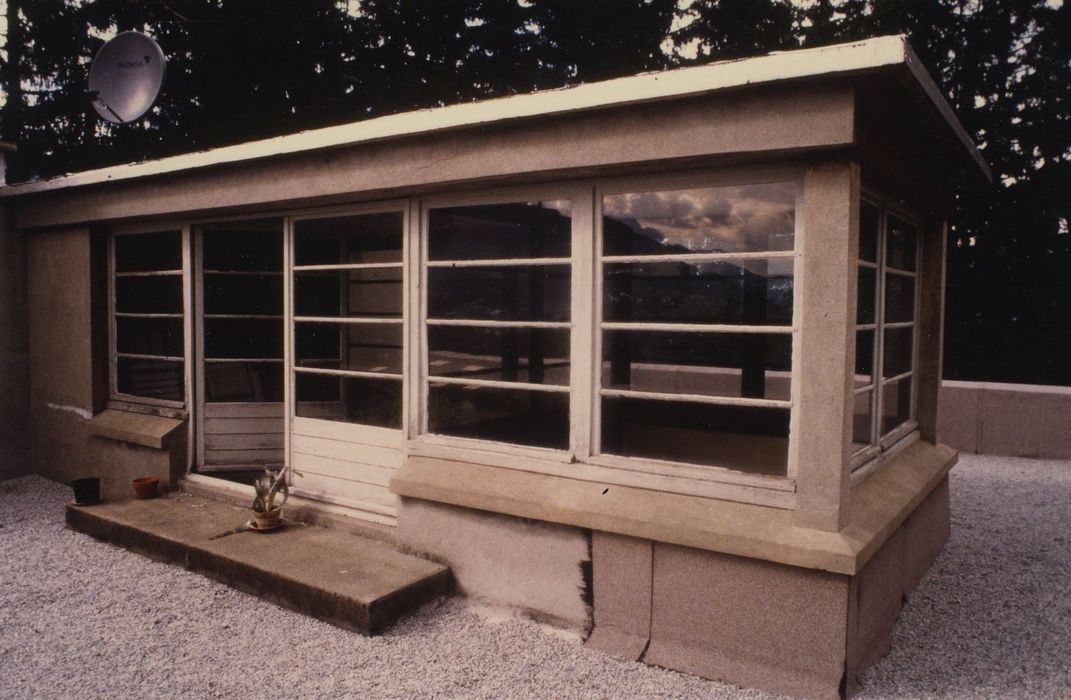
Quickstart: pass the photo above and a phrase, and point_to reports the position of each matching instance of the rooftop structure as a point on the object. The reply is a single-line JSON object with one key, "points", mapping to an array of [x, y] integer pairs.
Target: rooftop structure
{"points": [[656, 358]]}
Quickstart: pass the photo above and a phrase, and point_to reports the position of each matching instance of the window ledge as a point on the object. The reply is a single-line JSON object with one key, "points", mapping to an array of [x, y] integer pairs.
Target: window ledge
{"points": [[152, 409], [879, 506], [136, 428]]}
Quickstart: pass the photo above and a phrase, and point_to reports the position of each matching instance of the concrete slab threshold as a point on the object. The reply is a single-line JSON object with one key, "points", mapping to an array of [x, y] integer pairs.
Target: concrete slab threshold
{"points": [[346, 580]]}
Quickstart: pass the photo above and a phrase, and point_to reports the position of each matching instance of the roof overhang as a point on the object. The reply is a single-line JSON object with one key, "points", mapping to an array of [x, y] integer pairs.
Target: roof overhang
{"points": [[872, 56]]}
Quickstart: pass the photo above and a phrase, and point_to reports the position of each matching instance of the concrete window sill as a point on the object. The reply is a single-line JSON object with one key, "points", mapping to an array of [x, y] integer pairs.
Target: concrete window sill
{"points": [[135, 428], [879, 506]]}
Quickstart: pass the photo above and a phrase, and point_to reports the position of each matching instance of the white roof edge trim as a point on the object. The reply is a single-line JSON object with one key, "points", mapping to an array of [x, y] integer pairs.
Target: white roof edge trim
{"points": [[647, 87]]}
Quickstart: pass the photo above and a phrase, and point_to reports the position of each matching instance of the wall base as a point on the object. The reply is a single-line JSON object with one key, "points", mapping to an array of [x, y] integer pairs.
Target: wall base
{"points": [[537, 568], [64, 449], [783, 629]]}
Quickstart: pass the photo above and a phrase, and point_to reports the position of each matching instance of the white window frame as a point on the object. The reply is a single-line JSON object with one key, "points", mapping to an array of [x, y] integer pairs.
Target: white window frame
{"points": [[577, 197], [582, 460], [133, 400], [866, 459], [372, 434], [666, 467]]}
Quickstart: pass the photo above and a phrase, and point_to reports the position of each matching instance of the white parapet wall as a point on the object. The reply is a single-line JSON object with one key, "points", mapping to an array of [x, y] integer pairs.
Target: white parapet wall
{"points": [[1017, 420]]}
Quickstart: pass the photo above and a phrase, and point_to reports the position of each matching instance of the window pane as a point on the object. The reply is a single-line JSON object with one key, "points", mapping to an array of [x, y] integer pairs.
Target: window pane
{"points": [[244, 246], [868, 232], [146, 252], [867, 295], [500, 231], [898, 351], [370, 401], [245, 382], [533, 355], [864, 358], [523, 417], [230, 337], [748, 439], [362, 347], [149, 336], [895, 405], [862, 423], [900, 244], [362, 238], [243, 294], [513, 293], [755, 292], [899, 298], [708, 220], [755, 365], [155, 379], [375, 292], [158, 294]]}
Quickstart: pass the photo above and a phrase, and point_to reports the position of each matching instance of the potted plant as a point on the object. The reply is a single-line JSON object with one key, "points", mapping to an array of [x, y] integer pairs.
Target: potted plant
{"points": [[267, 504], [145, 487]]}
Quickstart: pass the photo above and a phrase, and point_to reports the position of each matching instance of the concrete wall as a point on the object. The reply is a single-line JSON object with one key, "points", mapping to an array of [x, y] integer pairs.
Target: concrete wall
{"points": [[65, 373], [784, 629], [14, 345], [536, 567], [1018, 420]]}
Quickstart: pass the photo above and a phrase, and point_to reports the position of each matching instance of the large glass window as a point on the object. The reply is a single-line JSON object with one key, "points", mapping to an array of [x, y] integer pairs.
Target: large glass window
{"points": [[885, 326], [696, 325], [347, 297], [148, 342], [693, 344], [498, 331]]}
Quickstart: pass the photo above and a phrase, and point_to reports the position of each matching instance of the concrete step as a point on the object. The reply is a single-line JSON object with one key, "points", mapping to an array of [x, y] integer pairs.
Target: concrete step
{"points": [[352, 582]]}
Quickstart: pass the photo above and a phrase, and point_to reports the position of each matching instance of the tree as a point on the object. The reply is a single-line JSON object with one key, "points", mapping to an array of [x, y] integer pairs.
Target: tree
{"points": [[726, 29], [246, 69], [601, 39], [1006, 67]]}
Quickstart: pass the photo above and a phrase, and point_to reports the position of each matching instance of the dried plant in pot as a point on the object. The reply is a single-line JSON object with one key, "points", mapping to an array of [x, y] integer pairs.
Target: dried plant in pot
{"points": [[271, 494]]}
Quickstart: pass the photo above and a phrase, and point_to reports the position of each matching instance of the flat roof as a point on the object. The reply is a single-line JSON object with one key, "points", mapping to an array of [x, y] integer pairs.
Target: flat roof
{"points": [[826, 61]]}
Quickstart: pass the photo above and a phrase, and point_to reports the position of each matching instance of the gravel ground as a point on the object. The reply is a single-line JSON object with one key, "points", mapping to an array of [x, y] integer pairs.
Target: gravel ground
{"points": [[81, 619]]}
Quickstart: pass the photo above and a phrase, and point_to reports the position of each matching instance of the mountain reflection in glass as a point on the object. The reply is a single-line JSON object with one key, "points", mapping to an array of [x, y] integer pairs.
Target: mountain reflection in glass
{"points": [[745, 292], [688, 277], [728, 219]]}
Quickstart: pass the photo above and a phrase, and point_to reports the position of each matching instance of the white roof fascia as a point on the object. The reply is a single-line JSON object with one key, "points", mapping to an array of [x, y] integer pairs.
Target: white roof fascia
{"points": [[648, 87]]}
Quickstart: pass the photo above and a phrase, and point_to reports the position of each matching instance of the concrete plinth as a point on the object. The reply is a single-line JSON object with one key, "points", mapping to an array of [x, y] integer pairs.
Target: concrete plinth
{"points": [[786, 629], [622, 595], [352, 582], [534, 567]]}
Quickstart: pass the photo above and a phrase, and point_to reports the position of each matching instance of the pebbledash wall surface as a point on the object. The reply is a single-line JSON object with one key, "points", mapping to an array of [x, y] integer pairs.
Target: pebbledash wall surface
{"points": [[656, 358]]}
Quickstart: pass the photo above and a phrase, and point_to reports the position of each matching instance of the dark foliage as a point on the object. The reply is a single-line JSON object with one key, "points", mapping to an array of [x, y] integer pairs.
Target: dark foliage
{"points": [[246, 69], [1006, 67]]}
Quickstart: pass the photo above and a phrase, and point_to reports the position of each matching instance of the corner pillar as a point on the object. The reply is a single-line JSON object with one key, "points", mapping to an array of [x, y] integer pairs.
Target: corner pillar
{"points": [[931, 327], [825, 343]]}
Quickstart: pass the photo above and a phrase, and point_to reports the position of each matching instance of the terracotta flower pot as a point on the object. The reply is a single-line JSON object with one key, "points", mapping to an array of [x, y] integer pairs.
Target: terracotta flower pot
{"points": [[145, 487], [268, 521]]}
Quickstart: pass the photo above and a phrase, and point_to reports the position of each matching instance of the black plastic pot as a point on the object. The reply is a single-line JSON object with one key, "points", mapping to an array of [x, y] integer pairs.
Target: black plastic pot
{"points": [[86, 491]]}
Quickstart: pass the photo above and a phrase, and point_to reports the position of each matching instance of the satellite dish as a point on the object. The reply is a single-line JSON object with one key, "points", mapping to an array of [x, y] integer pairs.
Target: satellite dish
{"points": [[125, 77]]}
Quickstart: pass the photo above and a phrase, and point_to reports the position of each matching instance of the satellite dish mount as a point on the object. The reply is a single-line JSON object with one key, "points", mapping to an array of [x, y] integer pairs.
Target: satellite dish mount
{"points": [[125, 77]]}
